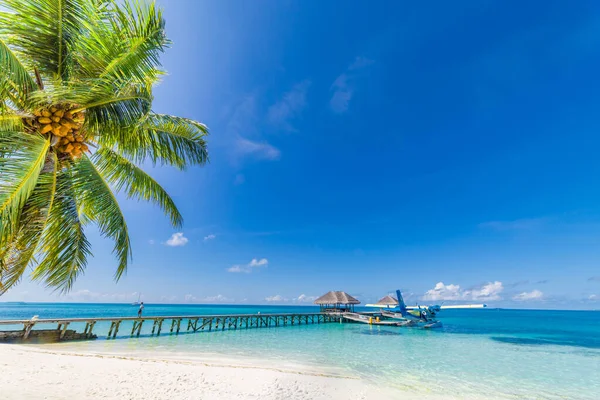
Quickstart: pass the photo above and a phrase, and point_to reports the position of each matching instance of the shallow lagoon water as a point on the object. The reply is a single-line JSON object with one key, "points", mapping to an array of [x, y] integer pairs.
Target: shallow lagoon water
{"points": [[507, 354]]}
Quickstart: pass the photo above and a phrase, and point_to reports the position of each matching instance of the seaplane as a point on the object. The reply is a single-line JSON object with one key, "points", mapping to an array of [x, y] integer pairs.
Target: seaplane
{"points": [[421, 316]]}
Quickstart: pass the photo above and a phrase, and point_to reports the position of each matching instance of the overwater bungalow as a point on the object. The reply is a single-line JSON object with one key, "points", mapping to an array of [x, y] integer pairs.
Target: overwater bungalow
{"points": [[387, 301], [335, 301]]}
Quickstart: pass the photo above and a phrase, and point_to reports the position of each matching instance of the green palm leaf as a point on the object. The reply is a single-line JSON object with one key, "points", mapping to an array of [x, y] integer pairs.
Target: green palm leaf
{"points": [[164, 139], [20, 252], [45, 31], [99, 204], [21, 160], [13, 72], [64, 248], [126, 176]]}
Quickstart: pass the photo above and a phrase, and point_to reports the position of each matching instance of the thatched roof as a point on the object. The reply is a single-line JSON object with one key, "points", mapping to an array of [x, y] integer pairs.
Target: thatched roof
{"points": [[336, 298], [387, 301]]}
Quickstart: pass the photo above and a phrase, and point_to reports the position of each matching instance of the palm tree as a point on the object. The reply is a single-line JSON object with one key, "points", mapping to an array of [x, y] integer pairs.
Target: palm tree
{"points": [[76, 80]]}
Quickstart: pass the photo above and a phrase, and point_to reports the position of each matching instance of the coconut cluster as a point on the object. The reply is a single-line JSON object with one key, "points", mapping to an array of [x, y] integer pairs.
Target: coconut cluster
{"points": [[64, 126]]}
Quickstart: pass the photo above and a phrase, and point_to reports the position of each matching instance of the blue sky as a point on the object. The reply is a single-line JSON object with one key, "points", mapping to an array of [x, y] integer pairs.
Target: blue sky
{"points": [[448, 149]]}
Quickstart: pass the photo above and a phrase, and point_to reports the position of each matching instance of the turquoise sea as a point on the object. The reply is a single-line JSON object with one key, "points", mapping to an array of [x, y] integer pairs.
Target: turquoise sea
{"points": [[488, 354]]}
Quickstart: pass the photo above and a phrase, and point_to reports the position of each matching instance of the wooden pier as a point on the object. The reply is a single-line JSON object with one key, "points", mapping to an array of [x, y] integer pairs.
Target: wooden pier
{"points": [[175, 324]]}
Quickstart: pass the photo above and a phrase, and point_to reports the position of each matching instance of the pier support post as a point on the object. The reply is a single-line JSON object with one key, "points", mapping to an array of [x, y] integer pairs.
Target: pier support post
{"points": [[89, 325], [64, 330], [117, 324], [27, 330], [137, 327]]}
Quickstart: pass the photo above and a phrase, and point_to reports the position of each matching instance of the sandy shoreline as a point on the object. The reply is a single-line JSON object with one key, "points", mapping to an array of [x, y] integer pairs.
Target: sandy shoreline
{"points": [[41, 373]]}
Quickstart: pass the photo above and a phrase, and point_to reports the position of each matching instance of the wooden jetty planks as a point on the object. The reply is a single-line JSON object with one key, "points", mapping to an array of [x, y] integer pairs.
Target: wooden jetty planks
{"points": [[194, 322]]}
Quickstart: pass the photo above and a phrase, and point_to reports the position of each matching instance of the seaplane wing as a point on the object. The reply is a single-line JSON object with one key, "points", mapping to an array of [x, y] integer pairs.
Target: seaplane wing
{"points": [[460, 306], [442, 307]]}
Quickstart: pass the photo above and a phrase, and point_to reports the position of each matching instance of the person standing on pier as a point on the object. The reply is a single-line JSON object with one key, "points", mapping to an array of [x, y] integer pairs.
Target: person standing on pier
{"points": [[141, 310]]}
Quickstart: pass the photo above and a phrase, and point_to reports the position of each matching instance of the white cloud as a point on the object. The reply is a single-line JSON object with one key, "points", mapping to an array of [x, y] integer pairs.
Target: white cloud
{"points": [[526, 296], [488, 292], [443, 292], [289, 107], [343, 86], [177, 239], [306, 299], [264, 151], [239, 179], [276, 298], [189, 298], [217, 299], [151, 241], [593, 297], [209, 237], [258, 263], [248, 268], [168, 299]]}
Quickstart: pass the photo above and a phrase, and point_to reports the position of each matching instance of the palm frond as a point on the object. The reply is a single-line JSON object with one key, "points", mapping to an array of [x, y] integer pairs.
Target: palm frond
{"points": [[99, 205], [11, 122], [13, 71], [64, 248], [45, 31], [117, 109], [20, 251], [22, 157], [164, 139], [125, 45], [137, 184]]}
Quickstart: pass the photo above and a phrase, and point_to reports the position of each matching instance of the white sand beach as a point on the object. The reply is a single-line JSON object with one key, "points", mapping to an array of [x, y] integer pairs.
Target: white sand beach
{"points": [[39, 373]]}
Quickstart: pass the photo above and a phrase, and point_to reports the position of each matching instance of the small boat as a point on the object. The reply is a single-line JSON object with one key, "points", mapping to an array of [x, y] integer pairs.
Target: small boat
{"points": [[137, 303]]}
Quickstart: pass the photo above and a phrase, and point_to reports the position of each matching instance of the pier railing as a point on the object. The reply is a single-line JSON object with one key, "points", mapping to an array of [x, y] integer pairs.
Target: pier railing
{"points": [[195, 323]]}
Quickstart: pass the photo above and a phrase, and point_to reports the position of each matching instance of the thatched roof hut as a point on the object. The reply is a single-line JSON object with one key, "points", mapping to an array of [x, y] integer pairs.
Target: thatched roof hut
{"points": [[387, 301], [336, 301]]}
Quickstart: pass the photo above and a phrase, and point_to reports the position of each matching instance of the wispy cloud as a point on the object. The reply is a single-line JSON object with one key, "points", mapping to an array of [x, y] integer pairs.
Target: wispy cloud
{"points": [[276, 298], [212, 236], [248, 268], [594, 279], [177, 240], [488, 292], [243, 122], [514, 225], [593, 297], [289, 107], [151, 242], [258, 150], [305, 299], [344, 85], [528, 296], [189, 298], [300, 299]]}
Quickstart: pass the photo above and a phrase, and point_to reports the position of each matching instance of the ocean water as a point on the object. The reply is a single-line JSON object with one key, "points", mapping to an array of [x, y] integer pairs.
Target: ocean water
{"points": [[478, 354]]}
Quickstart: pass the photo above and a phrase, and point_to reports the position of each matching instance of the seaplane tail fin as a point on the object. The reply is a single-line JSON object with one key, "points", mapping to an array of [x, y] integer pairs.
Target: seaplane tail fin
{"points": [[401, 303]]}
